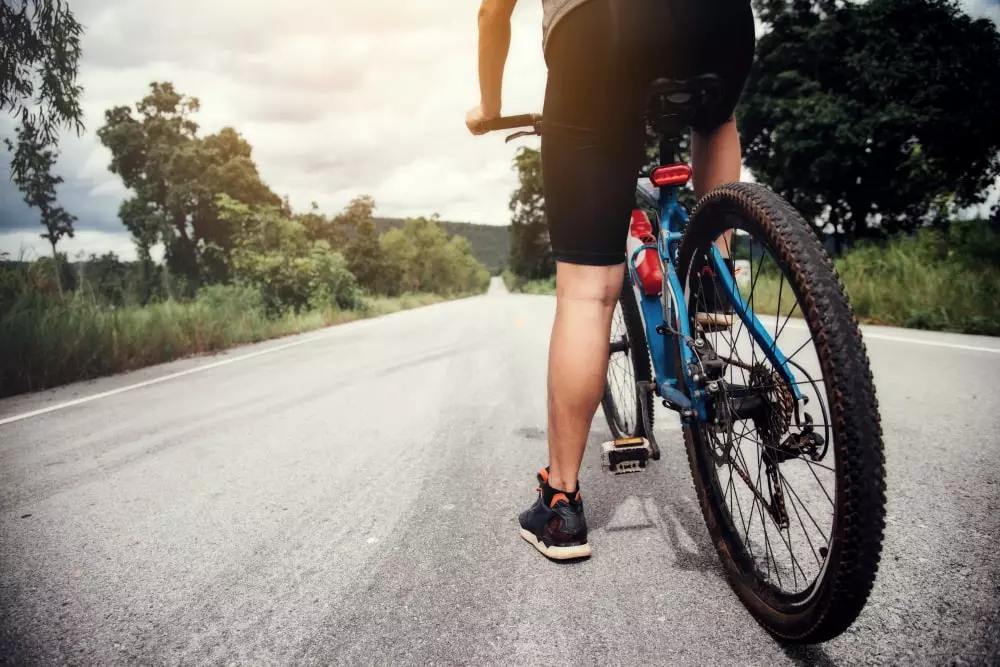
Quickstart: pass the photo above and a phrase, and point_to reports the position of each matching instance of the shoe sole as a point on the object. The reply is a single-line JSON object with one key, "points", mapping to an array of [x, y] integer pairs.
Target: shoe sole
{"points": [[554, 552], [714, 319]]}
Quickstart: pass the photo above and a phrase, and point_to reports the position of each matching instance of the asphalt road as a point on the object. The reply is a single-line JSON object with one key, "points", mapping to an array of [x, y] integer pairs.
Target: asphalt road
{"points": [[350, 496]]}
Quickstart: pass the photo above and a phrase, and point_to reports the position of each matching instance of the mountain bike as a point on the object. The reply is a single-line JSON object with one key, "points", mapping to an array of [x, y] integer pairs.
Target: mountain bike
{"points": [[777, 404]]}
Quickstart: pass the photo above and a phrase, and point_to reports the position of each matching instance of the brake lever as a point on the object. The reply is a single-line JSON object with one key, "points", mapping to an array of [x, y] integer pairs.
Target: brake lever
{"points": [[518, 135]]}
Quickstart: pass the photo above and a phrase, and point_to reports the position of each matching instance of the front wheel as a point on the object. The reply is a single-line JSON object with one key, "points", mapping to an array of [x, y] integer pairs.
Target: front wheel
{"points": [[791, 483]]}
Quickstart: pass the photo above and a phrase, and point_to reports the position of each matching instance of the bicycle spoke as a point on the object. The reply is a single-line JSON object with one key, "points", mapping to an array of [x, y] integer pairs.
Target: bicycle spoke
{"points": [[804, 531], [767, 546], [795, 561], [777, 314], [788, 359], [743, 522], [788, 316], [821, 485], [803, 505]]}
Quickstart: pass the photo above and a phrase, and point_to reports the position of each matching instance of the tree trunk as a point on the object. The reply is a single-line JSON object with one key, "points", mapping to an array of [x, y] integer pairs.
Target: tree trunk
{"points": [[55, 267]]}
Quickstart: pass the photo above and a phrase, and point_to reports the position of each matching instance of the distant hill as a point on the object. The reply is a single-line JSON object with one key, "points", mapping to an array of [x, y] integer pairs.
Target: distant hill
{"points": [[490, 243]]}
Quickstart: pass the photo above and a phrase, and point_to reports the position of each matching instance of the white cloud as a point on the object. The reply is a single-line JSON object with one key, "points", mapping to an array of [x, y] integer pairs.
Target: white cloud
{"points": [[989, 9]]}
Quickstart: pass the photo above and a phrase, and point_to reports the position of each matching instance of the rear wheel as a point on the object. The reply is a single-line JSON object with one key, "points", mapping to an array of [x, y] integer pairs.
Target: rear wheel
{"points": [[628, 363], [792, 490]]}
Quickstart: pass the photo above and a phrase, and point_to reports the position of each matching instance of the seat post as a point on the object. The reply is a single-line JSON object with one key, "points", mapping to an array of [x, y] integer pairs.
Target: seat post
{"points": [[668, 149]]}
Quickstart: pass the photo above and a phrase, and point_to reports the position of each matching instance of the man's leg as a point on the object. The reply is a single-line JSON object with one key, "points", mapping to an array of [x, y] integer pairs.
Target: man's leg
{"points": [[715, 160], [578, 362]]}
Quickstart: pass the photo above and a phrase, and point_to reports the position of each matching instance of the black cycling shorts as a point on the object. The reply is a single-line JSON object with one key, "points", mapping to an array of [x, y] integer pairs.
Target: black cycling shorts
{"points": [[601, 58]]}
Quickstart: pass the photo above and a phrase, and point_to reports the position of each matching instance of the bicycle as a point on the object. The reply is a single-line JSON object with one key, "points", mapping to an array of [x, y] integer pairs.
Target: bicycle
{"points": [[744, 398]]}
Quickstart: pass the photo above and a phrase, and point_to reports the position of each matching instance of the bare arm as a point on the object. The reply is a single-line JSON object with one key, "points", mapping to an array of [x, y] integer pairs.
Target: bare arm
{"points": [[494, 43]]}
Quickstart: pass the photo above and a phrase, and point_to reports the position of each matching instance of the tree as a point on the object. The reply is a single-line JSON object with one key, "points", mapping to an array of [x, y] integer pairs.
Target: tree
{"points": [[423, 258], [273, 254], [321, 228], [106, 276], [38, 185], [364, 255], [176, 177], [39, 59], [873, 117], [530, 250]]}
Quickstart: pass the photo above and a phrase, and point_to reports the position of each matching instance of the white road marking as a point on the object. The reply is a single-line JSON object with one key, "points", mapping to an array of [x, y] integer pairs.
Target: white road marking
{"points": [[916, 341], [171, 376]]}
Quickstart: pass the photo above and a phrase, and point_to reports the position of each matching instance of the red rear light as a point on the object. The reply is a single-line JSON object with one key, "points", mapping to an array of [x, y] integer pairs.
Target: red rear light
{"points": [[670, 174]]}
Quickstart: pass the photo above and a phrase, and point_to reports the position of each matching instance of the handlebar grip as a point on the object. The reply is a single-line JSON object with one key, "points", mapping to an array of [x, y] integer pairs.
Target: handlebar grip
{"points": [[510, 122]]}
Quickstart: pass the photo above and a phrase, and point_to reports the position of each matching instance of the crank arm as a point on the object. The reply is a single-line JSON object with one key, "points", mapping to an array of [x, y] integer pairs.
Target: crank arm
{"points": [[647, 388]]}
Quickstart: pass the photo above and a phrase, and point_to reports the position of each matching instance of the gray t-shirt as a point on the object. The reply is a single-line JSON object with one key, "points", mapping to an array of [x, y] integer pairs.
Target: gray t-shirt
{"points": [[552, 11]]}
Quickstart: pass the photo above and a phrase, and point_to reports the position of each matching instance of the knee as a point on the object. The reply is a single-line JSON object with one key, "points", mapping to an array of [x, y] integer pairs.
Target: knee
{"points": [[600, 284]]}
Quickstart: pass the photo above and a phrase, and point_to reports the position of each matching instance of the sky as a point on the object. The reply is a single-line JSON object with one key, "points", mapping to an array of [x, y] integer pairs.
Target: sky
{"points": [[337, 97]]}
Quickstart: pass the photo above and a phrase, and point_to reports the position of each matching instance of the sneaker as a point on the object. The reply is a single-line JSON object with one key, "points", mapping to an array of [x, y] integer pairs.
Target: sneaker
{"points": [[557, 529], [715, 311]]}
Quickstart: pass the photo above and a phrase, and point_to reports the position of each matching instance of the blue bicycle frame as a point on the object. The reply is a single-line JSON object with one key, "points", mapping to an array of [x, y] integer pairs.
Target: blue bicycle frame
{"points": [[667, 313]]}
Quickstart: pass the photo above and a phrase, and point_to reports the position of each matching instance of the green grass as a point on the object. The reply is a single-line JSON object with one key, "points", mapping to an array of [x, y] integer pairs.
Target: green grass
{"points": [[545, 286], [930, 281], [516, 283], [45, 342]]}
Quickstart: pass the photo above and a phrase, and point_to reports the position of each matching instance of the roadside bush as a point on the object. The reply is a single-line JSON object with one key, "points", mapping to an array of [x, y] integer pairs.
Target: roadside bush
{"points": [[941, 280], [274, 254], [422, 258]]}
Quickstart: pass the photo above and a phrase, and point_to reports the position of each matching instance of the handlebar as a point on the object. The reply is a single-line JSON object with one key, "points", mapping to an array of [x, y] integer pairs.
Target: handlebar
{"points": [[532, 120]]}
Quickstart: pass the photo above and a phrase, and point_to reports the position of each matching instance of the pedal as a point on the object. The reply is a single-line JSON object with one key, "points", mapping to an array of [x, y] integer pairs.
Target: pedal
{"points": [[625, 455]]}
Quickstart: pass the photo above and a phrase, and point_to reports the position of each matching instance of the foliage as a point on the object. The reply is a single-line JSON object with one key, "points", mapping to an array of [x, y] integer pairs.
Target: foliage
{"points": [[39, 60], [274, 254], [175, 177], [517, 284], [530, 250], [106, 277], [542, 286], [876, 113], [321, 228], [933, 279], [511, 280], [35, 181], [490, 243], [46, 341], [52, 275], [421, 257], [364, 254]]}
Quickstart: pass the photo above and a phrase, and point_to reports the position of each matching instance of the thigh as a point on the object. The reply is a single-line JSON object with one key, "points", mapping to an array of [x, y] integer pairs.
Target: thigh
{"points": [[593, 138]]}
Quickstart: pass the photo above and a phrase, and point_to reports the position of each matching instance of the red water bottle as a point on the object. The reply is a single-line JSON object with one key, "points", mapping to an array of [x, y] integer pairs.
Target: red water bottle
{"points": [[647, 262]]}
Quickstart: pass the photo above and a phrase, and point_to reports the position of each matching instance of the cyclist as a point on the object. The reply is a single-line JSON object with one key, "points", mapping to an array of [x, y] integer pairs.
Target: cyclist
{"points": [[601, 57]]}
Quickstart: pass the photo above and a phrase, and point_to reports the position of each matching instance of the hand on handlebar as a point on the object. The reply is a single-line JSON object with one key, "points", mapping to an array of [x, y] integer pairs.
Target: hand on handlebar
{"points": [[478, 123], [475, 119]]}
